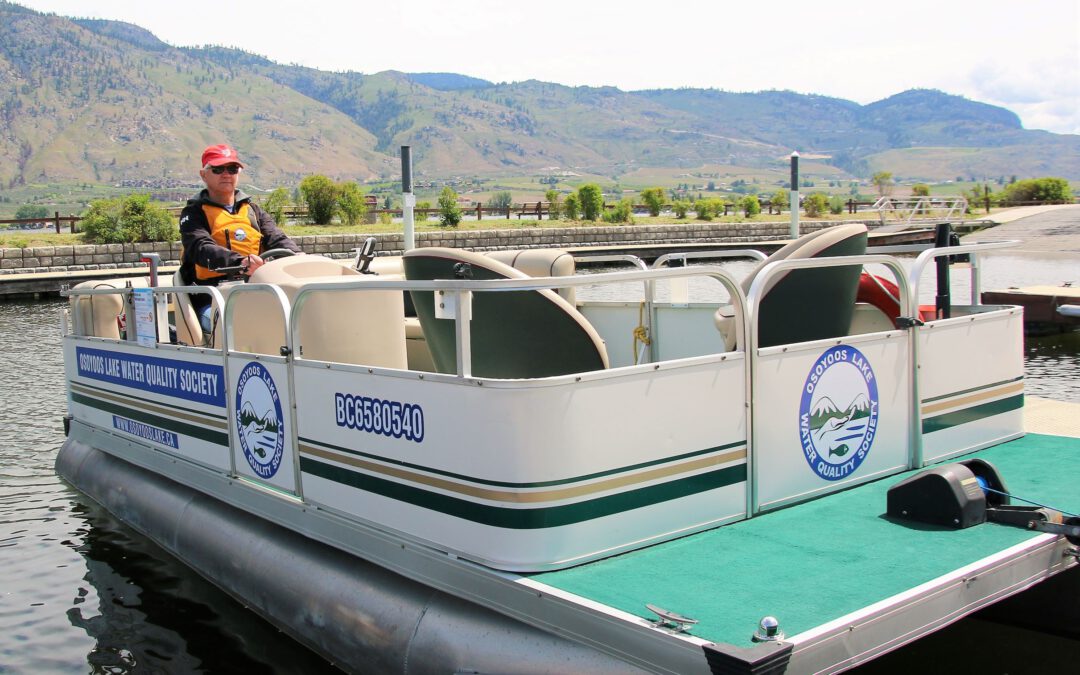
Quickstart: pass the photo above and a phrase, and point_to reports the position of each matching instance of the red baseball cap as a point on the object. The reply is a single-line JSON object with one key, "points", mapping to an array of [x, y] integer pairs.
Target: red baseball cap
{"points": [[217, 155]]}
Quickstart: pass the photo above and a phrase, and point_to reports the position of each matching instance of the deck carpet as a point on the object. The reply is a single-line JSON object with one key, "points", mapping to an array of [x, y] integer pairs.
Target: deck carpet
{"points": [[816, 562]]}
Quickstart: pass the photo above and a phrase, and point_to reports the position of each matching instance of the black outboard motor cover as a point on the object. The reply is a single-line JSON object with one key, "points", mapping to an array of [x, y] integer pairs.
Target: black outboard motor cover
{"points": [[948, 495]]}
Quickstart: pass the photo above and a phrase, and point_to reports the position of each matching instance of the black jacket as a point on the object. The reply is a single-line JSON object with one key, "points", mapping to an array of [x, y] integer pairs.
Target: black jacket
{"points": [[199, 246]]}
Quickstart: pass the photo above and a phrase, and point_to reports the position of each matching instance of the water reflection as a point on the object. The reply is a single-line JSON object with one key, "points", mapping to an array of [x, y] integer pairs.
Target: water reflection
{"points": [[1052, 366], [156, 615]]}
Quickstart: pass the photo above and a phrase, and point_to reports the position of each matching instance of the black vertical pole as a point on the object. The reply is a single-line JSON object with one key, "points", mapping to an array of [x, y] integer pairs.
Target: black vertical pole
{"points": [[942, 301], [408, 200], [795, 195], [406, 168]]}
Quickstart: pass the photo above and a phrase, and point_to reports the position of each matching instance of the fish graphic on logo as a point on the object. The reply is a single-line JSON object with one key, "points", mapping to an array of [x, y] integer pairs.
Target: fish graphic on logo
{"points": [[259, 422], [838, 413]]}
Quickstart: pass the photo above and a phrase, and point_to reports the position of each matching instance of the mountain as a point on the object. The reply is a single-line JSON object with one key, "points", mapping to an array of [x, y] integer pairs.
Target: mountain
{"points": [[105, 101], [824, 407], [449, 81], [101, 101], [249, 417], [860, 404]]}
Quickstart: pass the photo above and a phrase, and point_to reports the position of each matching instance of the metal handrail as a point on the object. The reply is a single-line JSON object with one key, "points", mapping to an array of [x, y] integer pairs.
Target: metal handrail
{"points": [[244, 289], [215, 296], [615, 257], [756, 295], [689, 255], [972, 249], [765, 275], [460, 288]]}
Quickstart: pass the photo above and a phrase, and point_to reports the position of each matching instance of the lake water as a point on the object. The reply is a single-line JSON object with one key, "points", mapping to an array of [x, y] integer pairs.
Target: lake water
{"points": [[82, 593]]}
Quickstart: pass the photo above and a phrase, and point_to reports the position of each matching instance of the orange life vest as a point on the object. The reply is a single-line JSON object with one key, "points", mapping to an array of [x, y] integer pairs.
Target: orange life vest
{"points": [[238, 229]]}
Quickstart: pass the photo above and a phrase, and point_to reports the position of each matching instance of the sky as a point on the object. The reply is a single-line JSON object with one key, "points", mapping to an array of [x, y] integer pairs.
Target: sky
{"points": [[1023, 55]]}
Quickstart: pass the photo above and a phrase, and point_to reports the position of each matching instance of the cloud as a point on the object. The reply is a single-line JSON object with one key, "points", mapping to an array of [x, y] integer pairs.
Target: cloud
{"points": [[1045, 93]]}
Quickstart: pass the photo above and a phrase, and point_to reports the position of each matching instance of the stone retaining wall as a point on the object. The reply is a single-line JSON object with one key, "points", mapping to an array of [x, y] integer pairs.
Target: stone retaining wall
{"points": [[120, 256]]}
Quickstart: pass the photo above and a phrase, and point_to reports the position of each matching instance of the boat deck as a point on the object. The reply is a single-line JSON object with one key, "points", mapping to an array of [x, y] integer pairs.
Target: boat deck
{"points": [[816, 563]]}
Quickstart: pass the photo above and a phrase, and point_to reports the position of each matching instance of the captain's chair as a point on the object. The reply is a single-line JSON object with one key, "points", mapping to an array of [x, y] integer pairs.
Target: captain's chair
{"points": [[810, 304], [517, 334]]}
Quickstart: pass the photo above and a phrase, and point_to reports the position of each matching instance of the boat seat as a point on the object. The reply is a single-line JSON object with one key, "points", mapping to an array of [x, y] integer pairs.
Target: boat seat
{"points": [[97, 314], [188, 329], [541, 262], [351, 326], [520, 334], [419, 356], [535, 262], [804, 305]]}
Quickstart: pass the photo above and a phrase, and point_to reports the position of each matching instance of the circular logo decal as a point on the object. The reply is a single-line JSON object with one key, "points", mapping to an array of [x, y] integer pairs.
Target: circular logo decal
{"points": [[838, 413], [240, 234], [259, 422]]}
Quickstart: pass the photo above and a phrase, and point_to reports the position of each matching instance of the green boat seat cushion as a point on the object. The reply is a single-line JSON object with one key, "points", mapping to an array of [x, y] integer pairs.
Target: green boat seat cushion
{"points": [[805, 305], [518, 334]]}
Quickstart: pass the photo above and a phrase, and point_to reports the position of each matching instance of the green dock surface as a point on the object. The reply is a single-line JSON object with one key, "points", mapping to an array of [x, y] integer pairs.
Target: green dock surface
{"points": [[816, 562]]}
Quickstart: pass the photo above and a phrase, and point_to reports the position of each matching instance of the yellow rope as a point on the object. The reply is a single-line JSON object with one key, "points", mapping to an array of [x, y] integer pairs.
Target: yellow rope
{"points": [[641, 333]]}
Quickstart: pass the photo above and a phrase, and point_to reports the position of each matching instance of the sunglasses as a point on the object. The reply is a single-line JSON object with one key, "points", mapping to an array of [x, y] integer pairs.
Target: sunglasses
{"points": [[232, 169]]}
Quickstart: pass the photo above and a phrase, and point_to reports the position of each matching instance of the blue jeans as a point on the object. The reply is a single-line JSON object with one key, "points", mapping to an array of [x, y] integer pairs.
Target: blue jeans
{"points": [[206, 316]]}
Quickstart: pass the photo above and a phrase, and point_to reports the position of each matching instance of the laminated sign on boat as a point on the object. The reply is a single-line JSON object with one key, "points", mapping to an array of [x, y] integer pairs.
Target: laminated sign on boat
{"points": [[464, 461]]}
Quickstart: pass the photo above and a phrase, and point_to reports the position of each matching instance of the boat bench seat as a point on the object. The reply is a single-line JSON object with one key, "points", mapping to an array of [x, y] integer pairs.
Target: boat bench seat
{"points": [[96, 315], [518, 334], [361, 327]]}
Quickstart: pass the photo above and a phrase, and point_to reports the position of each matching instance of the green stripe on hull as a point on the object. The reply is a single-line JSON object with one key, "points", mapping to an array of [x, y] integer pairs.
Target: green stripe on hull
{"points": [[972, 414], [163, 422], [528, 518], [508, 484], [962, 392]]}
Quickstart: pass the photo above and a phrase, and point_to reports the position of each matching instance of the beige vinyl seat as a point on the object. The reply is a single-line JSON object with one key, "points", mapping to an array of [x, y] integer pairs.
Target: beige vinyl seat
{"points": [[353, 326], [541, 262], [804, 305], [96, 315], [518, 334], [188, 329]]}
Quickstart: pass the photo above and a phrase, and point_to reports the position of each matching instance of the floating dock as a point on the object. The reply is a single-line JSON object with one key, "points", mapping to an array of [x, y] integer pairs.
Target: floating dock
{"points": [[1047, 309]]}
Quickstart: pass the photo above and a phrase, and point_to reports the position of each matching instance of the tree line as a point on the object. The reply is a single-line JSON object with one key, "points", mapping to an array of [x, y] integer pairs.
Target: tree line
{"points": [[136, 218]]}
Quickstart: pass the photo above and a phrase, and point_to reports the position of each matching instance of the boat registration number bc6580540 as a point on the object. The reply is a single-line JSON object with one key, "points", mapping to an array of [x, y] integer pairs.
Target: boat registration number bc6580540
{"points": [[379, 416]]}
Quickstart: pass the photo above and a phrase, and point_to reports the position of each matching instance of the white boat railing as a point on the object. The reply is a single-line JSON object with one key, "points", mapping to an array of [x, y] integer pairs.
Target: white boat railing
{"points": [[765, 275], [762, 281], [458, 294], [972, 250], [665, 260]]}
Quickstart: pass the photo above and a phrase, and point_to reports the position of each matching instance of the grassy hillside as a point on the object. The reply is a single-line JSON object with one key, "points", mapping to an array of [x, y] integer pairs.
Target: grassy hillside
{"points": [[104, 102], [76, 105]]}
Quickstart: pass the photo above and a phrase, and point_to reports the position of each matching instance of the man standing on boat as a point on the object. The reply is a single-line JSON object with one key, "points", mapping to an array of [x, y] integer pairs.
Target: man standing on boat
{"points": [[222, 227]]}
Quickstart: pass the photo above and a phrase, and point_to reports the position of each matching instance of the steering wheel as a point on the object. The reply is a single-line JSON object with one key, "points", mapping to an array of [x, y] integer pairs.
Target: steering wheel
{"points": [[275, 253], [236, 272]]}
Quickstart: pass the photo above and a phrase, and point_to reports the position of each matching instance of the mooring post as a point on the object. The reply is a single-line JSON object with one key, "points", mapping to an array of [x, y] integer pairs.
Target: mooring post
{"points": [[942, 301], [408, 199], [795, 195]]}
